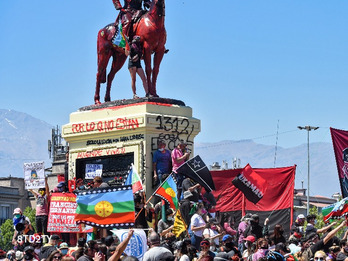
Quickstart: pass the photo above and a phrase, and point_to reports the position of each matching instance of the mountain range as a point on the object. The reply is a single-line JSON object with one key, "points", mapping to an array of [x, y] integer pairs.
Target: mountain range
{"points": [[24, 138]]}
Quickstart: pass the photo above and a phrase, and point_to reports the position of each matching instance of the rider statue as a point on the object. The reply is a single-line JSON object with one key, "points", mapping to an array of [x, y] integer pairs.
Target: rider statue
{"points": [[130, 12]]}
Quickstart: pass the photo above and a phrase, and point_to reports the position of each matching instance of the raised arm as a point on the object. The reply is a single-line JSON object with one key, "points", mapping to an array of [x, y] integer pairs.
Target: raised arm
{"points": [[121, 247]]}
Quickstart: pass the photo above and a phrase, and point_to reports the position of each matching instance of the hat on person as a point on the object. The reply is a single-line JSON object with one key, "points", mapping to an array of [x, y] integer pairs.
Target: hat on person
{"points": [[17, 211], [61, 184], [254, 217], [282, 247], [226, 237], [28, 248], [250, 238], [63, 246], [187, 194], [301, 216], [204, 242], [55, 237], [19, 255]]}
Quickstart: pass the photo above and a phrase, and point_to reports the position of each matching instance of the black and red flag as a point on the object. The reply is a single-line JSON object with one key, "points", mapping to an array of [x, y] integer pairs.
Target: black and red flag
{"points": [[340, 145], [277, 201], [251, 184], [196, 169]]}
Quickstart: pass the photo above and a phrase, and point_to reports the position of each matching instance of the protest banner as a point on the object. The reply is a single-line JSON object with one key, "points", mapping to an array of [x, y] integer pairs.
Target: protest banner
{"points": [[62, 213], [34, 175]]}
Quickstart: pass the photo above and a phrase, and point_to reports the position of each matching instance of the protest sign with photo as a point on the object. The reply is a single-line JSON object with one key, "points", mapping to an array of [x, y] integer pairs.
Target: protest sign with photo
{"points": [[34, 175]]}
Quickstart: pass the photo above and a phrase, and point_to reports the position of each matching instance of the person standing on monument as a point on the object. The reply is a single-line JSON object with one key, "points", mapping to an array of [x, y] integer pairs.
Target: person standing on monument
{"points": [[42, 203], [162, 163], [179, 155], [130, 12], [134, 65]]}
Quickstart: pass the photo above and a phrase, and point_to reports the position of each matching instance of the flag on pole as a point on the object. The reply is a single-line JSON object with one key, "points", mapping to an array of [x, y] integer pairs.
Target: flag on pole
{"points": [[337, 210], [106, 207], [340, 145], [168, 191], [119, 38], [134, 180], [179, 224], [196, 169], [251, 184]]}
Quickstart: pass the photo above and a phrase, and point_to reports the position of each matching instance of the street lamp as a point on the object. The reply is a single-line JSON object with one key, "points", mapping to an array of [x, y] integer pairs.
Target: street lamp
{"points": [[308, 129]]}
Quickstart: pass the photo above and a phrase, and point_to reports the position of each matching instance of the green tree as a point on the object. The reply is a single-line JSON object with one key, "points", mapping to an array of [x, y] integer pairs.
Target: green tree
{"points": [[6, 234], [31, 214]]}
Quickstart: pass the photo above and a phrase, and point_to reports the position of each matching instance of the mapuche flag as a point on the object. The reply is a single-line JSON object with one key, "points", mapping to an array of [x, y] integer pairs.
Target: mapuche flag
{"points": [[134, 180], [340, 145], [196, 169], [106, 207], [252, 185], [168, 191]]}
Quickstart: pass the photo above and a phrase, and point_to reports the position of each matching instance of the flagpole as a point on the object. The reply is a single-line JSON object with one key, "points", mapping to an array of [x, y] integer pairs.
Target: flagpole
{"points": [[152, 196]]}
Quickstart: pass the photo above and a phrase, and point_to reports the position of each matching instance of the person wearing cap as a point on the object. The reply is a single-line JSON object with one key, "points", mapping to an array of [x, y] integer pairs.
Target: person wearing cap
{"points": [[248, 246], [244, 223], [51, 246], [161, 163], [180, 155], [42, 203], [205, 254], [229, 247], [22, 226], [254, 228], [185, 207], [213, 232], [29, 254], [63, 248]]}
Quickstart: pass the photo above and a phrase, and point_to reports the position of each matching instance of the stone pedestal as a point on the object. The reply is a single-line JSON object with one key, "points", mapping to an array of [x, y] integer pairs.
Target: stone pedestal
{"points": [[116, 134]]}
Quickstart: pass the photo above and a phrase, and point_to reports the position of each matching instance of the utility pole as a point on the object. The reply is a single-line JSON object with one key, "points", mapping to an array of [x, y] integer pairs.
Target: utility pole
{"points": [[308, 129]]}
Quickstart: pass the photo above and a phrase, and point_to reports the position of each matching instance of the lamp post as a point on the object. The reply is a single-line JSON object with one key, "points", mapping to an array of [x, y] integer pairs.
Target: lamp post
{"points": [[308, 129]]}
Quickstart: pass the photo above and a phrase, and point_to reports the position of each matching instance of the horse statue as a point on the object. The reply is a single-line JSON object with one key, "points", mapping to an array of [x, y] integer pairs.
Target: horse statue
{"points": [[153, 37]]}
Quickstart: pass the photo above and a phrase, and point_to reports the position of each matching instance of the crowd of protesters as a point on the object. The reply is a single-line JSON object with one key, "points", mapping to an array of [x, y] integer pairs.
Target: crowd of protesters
{"points": [[208, 236]]}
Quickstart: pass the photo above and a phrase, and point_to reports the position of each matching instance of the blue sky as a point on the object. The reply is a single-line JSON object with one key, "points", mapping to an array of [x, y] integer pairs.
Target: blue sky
{"points": [[241, 65]]}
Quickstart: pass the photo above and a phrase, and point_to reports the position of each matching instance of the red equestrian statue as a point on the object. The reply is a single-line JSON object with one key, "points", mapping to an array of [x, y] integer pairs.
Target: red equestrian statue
{"points": [[153, 36]]}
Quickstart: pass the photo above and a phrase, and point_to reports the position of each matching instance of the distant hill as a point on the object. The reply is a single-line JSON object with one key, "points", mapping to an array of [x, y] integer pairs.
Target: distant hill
{"points": [[23, 138]]}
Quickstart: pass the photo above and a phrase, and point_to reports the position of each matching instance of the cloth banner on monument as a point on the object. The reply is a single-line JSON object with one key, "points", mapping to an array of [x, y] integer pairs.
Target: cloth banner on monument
{"points": [[252, 185], [196, 169], [34, 175], [106, 207], [276, 203], [137, 245], [62, 213], [340, 145]]}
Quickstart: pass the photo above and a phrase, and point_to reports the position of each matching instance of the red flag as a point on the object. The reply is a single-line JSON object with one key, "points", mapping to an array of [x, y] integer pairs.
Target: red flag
{"points": [[251, 184], [340, 145]]}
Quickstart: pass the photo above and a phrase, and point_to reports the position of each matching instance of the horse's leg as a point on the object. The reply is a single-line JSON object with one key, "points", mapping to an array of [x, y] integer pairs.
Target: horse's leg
{"points": [[117, 63], [103, 59], [148, 70], [156, 64]]}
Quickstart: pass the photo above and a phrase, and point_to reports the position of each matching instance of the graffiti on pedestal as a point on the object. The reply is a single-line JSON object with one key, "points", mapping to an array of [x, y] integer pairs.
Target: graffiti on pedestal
{"points": [[174, 130]]}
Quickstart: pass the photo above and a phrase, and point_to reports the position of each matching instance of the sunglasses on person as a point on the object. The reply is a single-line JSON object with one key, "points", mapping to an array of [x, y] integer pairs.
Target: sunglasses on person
{"points": [[319, 258], [57, 257]]}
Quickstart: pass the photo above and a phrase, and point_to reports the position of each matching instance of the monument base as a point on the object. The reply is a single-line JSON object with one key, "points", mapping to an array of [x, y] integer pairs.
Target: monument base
{"points": [[106, 139]]}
